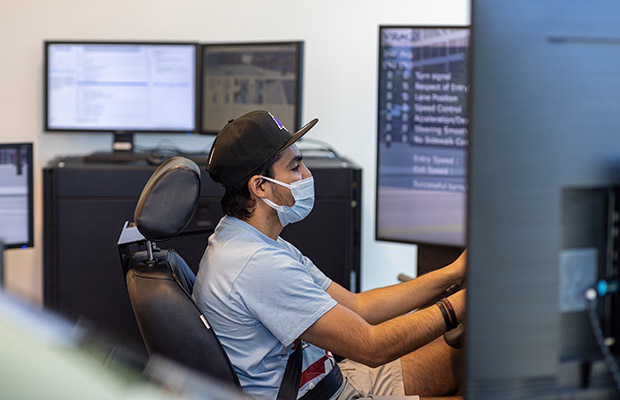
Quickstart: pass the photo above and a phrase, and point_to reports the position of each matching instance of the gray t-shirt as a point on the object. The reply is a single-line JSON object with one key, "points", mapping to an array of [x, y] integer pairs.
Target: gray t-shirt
{"points": [[260, 295]]}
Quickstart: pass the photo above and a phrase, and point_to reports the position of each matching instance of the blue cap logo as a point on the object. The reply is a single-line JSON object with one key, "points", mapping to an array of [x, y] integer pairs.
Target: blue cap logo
{"points": [[277, 121]]}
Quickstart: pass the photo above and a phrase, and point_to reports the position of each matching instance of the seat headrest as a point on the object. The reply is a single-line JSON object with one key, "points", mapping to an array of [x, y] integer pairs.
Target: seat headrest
{"points": [[168, 199]]}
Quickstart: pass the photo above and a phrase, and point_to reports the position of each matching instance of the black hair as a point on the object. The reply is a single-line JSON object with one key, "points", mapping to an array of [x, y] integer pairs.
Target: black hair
{"points": [[237, 201]]}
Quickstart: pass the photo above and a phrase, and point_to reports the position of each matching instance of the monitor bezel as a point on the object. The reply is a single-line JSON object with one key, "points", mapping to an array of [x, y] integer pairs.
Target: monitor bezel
{"points": [[30, 158], [299, 49], [432, 247], [197, 94]]}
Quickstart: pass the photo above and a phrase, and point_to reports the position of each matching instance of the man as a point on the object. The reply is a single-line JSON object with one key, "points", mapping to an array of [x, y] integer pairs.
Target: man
{"points": [[262, 295]]}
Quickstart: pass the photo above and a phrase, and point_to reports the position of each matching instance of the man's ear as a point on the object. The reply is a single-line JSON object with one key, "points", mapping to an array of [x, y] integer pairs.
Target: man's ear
{"points": [[255, 186]]}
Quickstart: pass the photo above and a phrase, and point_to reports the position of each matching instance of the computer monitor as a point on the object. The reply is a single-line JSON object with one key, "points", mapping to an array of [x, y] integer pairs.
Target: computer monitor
{"points": [[121, 87], [16, 187], [240, 77], [422, 135], [544, 157]]}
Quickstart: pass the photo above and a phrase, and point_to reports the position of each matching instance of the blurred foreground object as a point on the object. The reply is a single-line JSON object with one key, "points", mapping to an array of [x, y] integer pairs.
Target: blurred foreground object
{"points": [[46, 357]]}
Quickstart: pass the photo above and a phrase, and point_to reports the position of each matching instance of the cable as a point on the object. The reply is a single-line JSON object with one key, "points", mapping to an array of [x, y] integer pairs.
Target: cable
{"points": [[168, 146], [325, 147], [612, 365]]}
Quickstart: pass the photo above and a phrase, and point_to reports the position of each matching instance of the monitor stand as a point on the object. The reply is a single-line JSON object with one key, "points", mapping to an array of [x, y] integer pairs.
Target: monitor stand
{"points": [[123, 142], [123, 151]]}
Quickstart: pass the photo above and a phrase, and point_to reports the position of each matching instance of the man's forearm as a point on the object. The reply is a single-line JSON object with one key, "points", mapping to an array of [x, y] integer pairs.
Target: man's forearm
{"points": [[382, 304], [346, 333]]}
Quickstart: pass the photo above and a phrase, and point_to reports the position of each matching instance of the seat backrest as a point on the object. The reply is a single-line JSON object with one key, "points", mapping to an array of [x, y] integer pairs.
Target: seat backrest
{"points": [[170, 322], [160, 282]]}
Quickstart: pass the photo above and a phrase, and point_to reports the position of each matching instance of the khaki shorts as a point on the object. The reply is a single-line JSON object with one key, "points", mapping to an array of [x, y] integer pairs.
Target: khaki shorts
{"points": [[364, 383]]}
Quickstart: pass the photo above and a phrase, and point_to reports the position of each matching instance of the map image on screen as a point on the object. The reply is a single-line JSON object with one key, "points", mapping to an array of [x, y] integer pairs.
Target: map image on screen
{"points": [[423, 135], [239, 78]]}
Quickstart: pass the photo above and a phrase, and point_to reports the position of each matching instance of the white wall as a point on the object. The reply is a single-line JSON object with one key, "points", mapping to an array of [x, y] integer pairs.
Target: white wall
{"points": [[340, 84]]}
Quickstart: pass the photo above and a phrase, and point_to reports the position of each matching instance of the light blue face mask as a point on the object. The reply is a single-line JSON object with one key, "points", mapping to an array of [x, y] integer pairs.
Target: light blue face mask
{"points": [[303, 193]]}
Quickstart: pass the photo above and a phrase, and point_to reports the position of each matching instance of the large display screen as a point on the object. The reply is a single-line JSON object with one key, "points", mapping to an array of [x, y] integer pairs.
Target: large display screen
{"points": [[422, 135], [16, 227], [240, 77], [136, 87]]}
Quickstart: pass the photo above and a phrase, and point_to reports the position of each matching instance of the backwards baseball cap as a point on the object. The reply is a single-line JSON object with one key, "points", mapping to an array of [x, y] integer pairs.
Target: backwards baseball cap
{"points": [[246, 143]]}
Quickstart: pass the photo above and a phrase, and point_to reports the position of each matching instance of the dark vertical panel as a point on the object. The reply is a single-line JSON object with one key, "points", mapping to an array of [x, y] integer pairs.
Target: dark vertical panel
{"points": [[545, 102]]}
